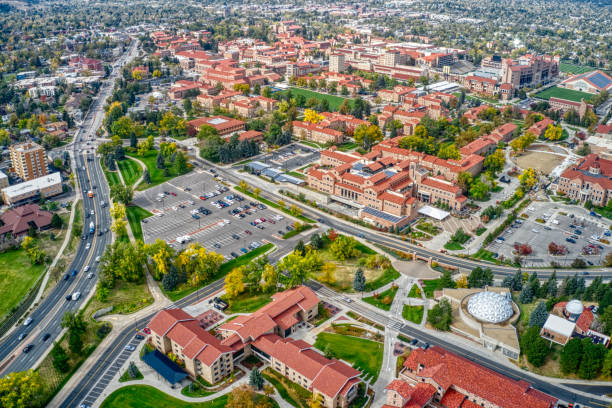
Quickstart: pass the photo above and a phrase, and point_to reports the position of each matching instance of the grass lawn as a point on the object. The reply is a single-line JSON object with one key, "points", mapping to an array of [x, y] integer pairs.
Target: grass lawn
{"points": [[485, 255], [312, 144], [247, 303], [112, 177], [453, 246], [125, 297], [157, 175], [334, 101], [125, 377], [134, 215], [196, 392], [365, 355], [296, 174], [384, 299], [291, 392], [130, 170], [387, 276], [415, 292], [145, 396], [480, 231], [296, 231], [413, 313], [572, 68], [563, 93], [224, 269], [17, 275], [429, 286], [345, 147]]}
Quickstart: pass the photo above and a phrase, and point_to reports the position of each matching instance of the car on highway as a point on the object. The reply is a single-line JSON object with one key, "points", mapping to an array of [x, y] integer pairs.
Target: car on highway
{"points": [[46, 337], [76, 295], [28, 321], [22, 336], [88, 246], [66, 277], [86, 268], [91, 275], [27, 348], [97, 259], [74, 272]]}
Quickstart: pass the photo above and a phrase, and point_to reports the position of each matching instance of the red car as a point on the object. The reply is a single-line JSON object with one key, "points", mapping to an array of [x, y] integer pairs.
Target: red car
{"points": [[202, 198], [147, 330], [173, 193], [248, 232]]}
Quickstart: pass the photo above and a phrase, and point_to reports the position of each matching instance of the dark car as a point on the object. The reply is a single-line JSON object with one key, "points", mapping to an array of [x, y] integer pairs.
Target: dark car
{"points": [[235, 255], [68, 298], [22, 336], [27, 348], [66, 277], [74, 272], [139, 337], [46, 337], [289, 228], [173, 193], [235, 236], [187, 189], [248, 232], [196, 216], [243, 250]]}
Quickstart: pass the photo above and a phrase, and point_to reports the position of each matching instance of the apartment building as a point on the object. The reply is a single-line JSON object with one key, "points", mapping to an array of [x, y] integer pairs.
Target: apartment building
{"points": [[28, 160], [174, 331], [564, 105], [437, 378], [588, 180], [481, 85], [337, 63], [264, 334], [529, 70]]}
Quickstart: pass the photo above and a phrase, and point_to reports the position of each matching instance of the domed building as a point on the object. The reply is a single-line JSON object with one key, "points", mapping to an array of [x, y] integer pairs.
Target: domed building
{"points": [[573, 310], [485, 316]]}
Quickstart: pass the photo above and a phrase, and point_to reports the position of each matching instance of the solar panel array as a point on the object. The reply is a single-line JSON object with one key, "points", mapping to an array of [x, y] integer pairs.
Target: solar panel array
{"points": [[383, 215]]}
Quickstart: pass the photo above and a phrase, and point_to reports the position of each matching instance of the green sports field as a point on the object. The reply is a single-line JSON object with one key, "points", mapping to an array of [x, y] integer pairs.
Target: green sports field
{"points": [[334, 101], [569, 94], [574, 69]]}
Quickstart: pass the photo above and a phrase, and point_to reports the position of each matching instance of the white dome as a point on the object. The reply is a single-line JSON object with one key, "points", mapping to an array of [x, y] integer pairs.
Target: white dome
{"points": [[574, 307], [490, 307]]}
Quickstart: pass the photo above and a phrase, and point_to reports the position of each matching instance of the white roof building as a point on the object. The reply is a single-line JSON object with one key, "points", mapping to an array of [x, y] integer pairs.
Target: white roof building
{"points": [[434, 212], [557, 329], [49, 184]]}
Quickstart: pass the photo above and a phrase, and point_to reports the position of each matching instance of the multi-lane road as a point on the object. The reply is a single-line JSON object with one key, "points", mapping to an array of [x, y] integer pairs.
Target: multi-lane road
{"points": [[47, 317]]}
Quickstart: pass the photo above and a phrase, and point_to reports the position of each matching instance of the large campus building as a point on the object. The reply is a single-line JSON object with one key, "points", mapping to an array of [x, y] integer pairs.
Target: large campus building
{"points": [[386, 183], [529, 70], [437, 378], [588, 180], [264, 334]]}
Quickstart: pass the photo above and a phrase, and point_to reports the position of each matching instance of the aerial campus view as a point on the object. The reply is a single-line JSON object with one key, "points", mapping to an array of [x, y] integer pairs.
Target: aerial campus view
{"points": [[350, 204]]}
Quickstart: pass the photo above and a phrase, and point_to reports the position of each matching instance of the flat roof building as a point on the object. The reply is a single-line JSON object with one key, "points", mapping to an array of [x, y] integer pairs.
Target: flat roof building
{"points": [[28, 160], [46, 186]]}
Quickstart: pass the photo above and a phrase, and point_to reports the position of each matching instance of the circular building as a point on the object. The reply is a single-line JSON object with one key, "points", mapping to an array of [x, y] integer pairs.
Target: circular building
{"points": [[490, 307], [573, 310]]}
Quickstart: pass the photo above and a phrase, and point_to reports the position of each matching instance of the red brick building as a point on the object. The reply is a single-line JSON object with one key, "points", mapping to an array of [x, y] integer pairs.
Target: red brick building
{"points": [[222, 124]]}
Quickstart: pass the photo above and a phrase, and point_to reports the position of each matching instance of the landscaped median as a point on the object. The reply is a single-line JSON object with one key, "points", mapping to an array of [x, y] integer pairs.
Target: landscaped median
{"points": [[413, 313], [135, 215], [382, 300]]}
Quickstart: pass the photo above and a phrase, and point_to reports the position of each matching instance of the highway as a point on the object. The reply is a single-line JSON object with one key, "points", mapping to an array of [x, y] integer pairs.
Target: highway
{"points": [[48, 315]]}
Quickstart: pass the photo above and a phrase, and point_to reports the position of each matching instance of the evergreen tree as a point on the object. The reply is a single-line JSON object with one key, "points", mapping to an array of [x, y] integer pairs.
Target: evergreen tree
{"points": [[170, 280], [517, 281], [570, 356], [56, 221], [592, 359], [300, 247], [446, 281], [507, 282], [60, 358], [526, 295], [133, 140], [146, 177], [316, 242], [160, 163], [256, 380], [538, 315], [359, 281]]}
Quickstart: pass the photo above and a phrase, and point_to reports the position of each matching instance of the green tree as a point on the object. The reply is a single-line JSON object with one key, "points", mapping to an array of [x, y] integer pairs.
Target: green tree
{"points": [[446, 280], [480, 278], [592, 359], [146, 177], [367, 135], [538, 316], [440, 316], [60, 358], [606, 319], [606, 369], [298, 267], [534, 347], [121, 193], [526, 295], [570, 356], [344, 247], [359, 281], [180, 163], [56, 221], [255, 379]]}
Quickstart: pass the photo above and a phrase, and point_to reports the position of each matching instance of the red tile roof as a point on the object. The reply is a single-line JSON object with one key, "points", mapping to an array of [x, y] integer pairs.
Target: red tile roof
{"points": [[328, 377], [17, 220], [585, 320], [452, 399], [447, 369]]}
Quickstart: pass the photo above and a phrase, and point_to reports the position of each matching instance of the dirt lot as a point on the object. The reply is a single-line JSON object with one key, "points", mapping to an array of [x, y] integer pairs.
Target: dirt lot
{"points": [[539, 161]]}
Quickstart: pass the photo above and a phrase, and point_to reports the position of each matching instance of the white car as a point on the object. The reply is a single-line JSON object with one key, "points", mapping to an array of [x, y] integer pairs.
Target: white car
{"points": [[92, 212], [88, 245], [86, 268], [91, 275], [535, 230], [76, 295], [97, 259]]}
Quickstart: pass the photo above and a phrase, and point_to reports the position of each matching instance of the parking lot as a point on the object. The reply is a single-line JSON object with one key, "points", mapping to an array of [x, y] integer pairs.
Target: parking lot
{"points": [[220, 222], [291, 157], [576, 236]]}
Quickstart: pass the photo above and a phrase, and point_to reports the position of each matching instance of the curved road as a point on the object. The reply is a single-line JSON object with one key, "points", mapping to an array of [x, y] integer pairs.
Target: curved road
{"points": [[48, 315]]}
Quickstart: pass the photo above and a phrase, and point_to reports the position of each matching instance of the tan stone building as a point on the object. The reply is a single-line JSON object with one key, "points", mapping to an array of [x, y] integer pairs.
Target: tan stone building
{"points": [[589, 180], [28, 160]]}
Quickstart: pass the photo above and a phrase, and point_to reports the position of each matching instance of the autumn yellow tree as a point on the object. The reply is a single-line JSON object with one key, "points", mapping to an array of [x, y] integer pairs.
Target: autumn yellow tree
{"points": [[528, 179], [462, 282], [269, 278], [553, 132], [234, 282], [21, 389], [312, 116], [328, 273]]}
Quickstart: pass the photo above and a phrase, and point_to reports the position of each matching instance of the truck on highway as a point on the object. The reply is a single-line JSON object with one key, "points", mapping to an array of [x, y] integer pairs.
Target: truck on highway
{"points": [[90, 194], [92, 227]]}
